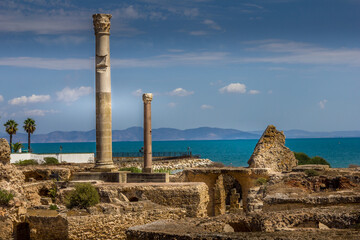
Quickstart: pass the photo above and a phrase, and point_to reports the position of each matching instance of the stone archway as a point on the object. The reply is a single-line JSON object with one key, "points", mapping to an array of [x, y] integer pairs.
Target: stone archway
{"points": [[233, 191], [22, 231]]}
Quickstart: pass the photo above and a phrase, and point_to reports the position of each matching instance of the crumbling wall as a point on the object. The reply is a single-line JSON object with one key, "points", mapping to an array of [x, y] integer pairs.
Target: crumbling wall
{"points": [[193, 197], [4, 151], [113, 223], [271, 152]]}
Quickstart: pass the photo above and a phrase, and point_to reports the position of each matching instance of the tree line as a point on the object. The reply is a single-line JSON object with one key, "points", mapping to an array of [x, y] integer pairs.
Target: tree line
{"points": [[11, 127]]}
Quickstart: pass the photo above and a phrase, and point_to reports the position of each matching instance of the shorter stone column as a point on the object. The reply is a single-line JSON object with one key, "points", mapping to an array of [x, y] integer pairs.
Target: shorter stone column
{"points": [[147, 98], [234, 199]]}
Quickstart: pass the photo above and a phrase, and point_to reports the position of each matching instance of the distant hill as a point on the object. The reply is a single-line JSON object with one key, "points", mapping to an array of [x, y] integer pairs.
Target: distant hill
{"points": [[165, 134]]}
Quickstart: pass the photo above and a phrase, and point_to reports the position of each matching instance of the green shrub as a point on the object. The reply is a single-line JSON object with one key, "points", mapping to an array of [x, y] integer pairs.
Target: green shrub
{"points": [[53, 207], [85, 195], [26, 162], [319, 160], [51, 160], [261, 181], [304, 159], [5, 197], [162, 170], [53, 192], [17, 146], [311, 173], [131, 169]]}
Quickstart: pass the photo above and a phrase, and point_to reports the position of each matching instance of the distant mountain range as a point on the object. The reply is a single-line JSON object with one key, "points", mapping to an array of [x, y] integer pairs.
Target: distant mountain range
{"points": [[163, 134]]}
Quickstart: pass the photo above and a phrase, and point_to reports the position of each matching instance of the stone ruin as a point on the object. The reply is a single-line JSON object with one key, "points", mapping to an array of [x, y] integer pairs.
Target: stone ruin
{"points": [[4, 151], [271, 152]]}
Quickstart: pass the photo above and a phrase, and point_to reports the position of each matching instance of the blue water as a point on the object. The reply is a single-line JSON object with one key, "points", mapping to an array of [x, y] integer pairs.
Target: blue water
{"points": [[340, 152]]}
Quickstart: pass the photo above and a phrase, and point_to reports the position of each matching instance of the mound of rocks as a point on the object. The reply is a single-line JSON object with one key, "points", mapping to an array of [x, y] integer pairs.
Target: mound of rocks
{"points": [[4, 151], [271, 152]]}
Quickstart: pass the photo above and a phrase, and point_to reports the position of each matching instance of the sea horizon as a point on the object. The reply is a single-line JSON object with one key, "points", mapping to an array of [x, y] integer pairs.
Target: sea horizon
{"points": [[339, 152]]}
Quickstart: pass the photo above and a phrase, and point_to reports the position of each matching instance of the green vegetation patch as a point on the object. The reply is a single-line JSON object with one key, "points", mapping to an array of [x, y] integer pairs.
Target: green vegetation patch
{"points": [[26, 162], [131, 169], [85, 195], [304, 159], [261, 181], [53, 207], [50, 161], [5, 197]]}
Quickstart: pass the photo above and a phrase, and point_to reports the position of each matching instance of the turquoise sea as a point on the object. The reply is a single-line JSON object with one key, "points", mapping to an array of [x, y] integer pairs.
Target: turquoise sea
{"points": [[340, 152]]}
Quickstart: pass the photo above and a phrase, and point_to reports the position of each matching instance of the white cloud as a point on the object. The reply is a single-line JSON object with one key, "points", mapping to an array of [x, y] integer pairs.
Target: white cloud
{"points": [[1, 98], [192, 12], [210, 23], [60, 40], [197, 33], [270, 91], [205, 106], [175, 50], [127, 12], [285, 53], [180, 92], [301, 53], [171, 104], [322, 103], [72, 94], [233, 88], [31, 99], [38, 112], [253, 92], [198, 58], [48, 63], [138, 92]]}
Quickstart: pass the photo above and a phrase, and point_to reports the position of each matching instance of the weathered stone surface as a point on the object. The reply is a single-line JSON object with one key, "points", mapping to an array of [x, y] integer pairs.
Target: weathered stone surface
{"points": [[192, 197], [111, 221], [4, 151], [271, 152], [276, 225], [41, 173]]}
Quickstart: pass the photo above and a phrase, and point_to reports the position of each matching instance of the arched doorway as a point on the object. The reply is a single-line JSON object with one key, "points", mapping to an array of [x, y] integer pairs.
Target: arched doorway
{"points": [[233, 191], [22, 231]]}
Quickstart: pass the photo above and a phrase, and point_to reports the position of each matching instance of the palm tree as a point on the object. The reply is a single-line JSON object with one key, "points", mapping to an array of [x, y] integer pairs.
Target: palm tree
{"points": [[17, 146], [29, 127], [11, 128]]}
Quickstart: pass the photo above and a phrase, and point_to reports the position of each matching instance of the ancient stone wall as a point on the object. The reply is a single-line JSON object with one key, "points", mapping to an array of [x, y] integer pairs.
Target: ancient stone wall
{"points": [[193, 197], [46, 225], [113, 223], [168, 164], [271, 152], [4, 151], [246, 178]]}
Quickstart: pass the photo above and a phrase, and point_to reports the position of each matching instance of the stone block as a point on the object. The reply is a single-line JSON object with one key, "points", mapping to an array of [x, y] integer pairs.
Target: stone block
{"points": [[118, 177], [147, 177]]}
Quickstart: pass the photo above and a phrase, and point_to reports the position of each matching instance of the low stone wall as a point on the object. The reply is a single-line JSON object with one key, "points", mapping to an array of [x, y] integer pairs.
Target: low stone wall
{"points": [[113, 224], [193, 197], [325, 223], [169, 164]]}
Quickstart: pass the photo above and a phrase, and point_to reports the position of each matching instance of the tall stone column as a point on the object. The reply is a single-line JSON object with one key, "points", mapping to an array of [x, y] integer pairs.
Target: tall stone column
{"points": [[147, 97], [103, 160]]}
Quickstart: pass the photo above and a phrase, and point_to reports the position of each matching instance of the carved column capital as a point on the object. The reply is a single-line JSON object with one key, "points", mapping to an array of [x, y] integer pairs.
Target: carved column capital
{"points": [[147, 97], [101, 23]]}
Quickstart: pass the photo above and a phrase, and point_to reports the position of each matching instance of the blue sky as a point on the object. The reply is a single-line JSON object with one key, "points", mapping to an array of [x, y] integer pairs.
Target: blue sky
{"points": [[229, 64]]}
